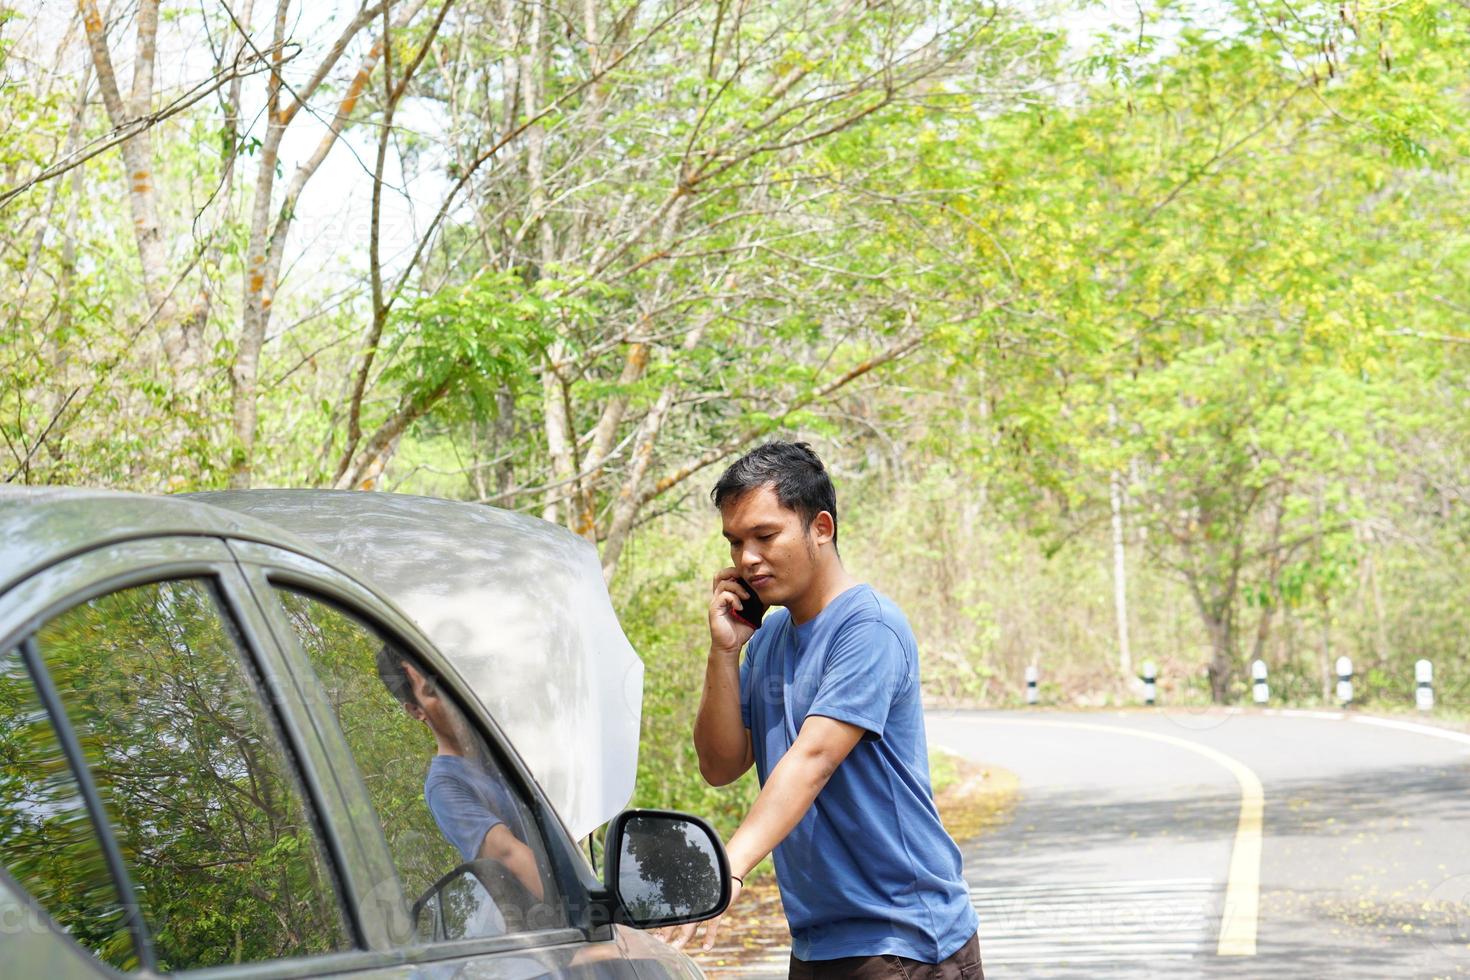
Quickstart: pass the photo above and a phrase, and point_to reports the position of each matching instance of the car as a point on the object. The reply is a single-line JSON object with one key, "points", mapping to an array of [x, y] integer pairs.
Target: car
{"points": [[218, 710]]}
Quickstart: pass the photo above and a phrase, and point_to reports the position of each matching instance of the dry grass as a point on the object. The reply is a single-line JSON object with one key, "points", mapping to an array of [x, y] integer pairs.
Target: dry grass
{"points": [[980, 797]]}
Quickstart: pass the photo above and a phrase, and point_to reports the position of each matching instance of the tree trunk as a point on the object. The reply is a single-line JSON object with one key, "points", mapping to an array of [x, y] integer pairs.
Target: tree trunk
{"points": [[256, 302], [630, 496], [1375, 592], [268, 238], [1222, 658], [182, 347], [1216, 614], [1328, 674], [1120, 559], [503, 433], [625, 510], [380, 447], [1120, 575], [604, 437], [1291, 653], [558, 442], [1263, 632]]}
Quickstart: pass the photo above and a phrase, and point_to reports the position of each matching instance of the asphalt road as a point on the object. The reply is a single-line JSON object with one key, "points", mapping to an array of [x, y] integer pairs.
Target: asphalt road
{"points": [[1119, 857], [1178, 844]]}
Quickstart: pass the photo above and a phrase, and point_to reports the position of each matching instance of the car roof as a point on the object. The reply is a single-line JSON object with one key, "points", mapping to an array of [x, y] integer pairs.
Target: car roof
{"points": [[517, 604], [40, 526]]}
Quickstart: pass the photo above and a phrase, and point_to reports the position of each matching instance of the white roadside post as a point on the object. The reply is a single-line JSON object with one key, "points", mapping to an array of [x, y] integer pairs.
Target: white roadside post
{"points": [[1149, 675], [1344, 681], [1031, 684], [1424, 685], [1260, 690]]}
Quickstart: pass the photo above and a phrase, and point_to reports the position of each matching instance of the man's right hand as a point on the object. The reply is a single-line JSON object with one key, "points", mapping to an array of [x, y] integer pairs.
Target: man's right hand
{"points": [[726, 633], [720, 735]]}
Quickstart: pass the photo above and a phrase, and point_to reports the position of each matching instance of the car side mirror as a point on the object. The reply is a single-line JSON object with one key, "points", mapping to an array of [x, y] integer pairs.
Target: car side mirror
{"points": [[664, 869]]}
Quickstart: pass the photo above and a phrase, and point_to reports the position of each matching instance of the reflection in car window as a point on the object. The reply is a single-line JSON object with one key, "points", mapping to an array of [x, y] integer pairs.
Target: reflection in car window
{"points": [[225, 864], [458, 830], [47, 839]]}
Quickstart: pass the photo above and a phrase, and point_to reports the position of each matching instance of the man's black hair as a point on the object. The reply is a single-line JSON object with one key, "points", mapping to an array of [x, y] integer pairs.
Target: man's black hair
{"points": [[793, 470], [394, 676]]}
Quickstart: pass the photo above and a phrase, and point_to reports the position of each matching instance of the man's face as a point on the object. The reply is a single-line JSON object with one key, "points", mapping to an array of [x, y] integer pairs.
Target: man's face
{"points": [[431, 708], [769, 547]]}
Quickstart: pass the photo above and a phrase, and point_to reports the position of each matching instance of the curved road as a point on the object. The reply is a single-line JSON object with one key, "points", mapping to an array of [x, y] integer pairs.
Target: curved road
{"points": [[1343, 845], [1127, 839]]}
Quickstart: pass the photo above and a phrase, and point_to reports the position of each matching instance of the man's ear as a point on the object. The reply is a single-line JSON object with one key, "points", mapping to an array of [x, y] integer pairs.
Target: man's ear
{"points": [[415, 711], [823, 527]]}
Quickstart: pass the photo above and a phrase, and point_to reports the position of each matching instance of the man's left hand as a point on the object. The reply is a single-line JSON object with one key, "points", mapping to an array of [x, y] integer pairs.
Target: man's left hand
{"points": [[679, 936]]}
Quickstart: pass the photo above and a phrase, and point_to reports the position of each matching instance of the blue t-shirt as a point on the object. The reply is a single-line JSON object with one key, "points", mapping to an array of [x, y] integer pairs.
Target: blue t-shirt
{"points": [[869, 870], [467, 802]]}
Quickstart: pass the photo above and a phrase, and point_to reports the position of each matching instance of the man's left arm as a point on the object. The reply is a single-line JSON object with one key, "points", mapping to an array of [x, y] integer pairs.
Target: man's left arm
{"points": [[788, 794]]}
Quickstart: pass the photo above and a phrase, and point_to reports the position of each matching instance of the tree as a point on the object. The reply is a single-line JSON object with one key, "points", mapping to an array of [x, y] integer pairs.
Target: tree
{"points": [[712, 272], [188, 330], [1215, 326]]}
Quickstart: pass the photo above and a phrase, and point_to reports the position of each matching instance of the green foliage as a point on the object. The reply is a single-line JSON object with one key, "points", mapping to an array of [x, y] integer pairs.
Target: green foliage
{"points": [[1215, 255], [1198, 307], [662, 600], [475, 338]]}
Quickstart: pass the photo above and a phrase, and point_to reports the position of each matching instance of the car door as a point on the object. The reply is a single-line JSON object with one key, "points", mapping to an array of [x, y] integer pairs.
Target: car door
{"points": [[462, 868], [159, 807]]}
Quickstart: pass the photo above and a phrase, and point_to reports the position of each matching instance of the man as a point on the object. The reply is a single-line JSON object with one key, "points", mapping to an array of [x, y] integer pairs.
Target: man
{"points": [[827, 707], [472, 808]]}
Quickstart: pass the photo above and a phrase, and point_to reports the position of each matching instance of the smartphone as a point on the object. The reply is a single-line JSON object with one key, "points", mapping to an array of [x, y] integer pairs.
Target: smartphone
{"points": [[754, 610]]}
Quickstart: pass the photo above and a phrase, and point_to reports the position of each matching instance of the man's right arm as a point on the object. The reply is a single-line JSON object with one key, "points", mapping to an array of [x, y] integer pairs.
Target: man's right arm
{"points": [[503, 846], [720, 737], [476, 831]]}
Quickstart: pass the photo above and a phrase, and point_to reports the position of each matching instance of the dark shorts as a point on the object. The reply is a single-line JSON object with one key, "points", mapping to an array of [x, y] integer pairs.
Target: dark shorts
{"points": [[964, 964]]}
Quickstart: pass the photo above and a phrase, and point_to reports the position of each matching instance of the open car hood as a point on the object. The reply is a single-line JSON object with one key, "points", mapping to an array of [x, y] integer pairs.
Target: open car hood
{"points": [[518, 606]]}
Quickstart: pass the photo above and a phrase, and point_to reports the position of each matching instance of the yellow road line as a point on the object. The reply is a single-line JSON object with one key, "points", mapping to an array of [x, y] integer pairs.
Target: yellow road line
{"points": [[1243, 885]]}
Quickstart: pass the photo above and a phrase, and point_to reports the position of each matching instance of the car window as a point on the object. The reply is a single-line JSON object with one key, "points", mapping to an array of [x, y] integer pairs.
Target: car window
{"points": [[47, 839], [226, 866], [467, 850]]}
